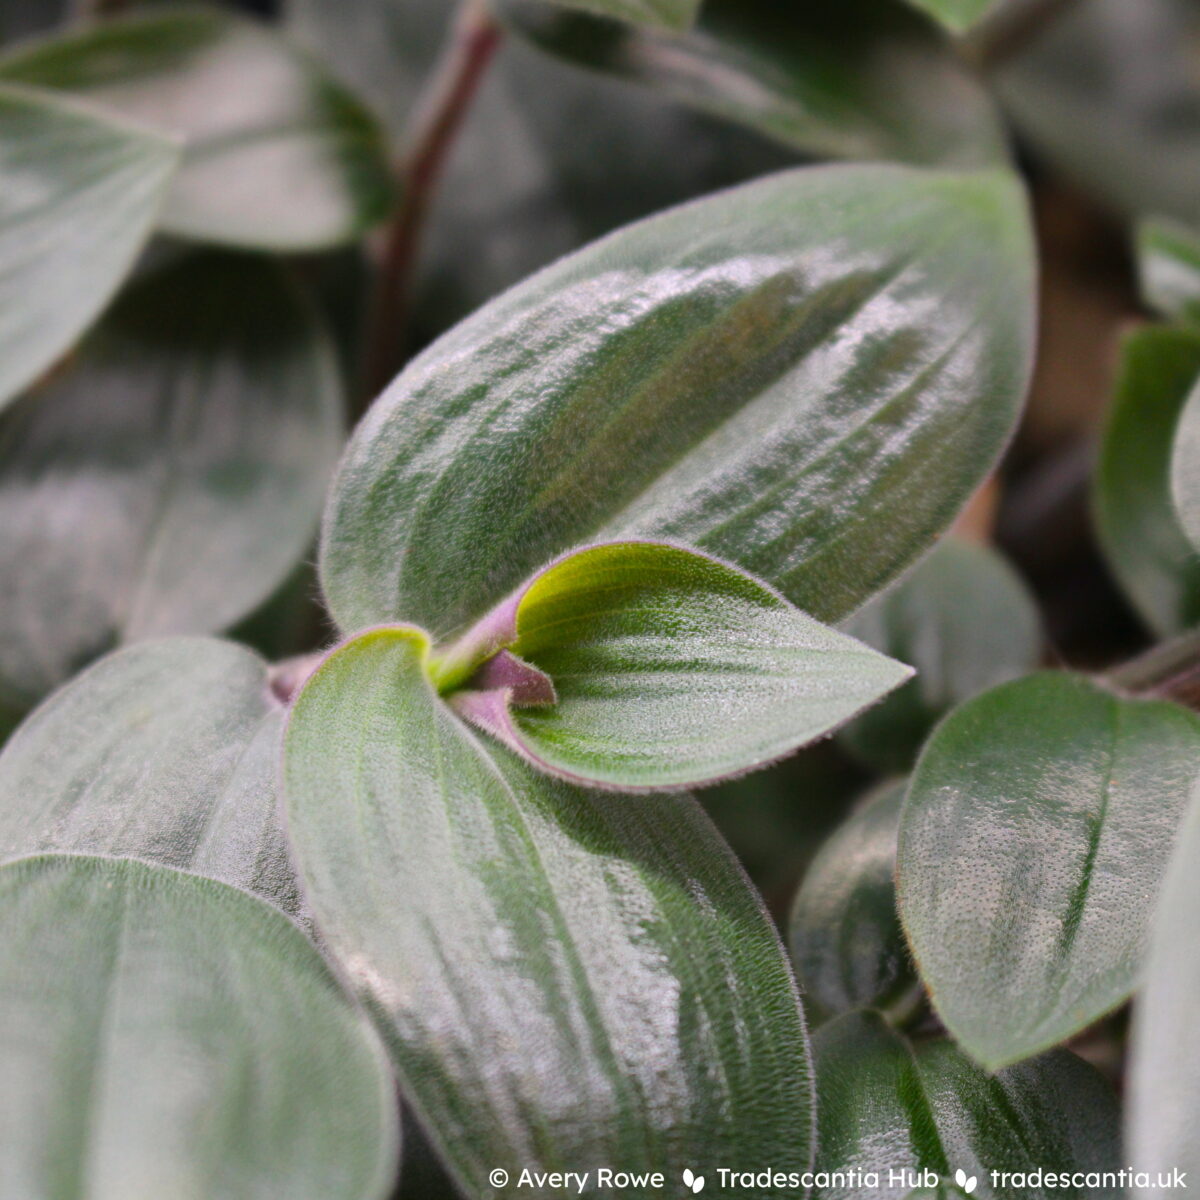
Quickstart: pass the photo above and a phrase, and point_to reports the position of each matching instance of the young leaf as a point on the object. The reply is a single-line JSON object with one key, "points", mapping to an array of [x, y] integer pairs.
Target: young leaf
{"points": [[662, 14], [844, 931], [807, 376], [79, 193], [165, 1035], [166, 751], [662, 668], [965, 621], [959, 15], [1109, 94], [522, 943], [1033, 840], [1143, 541], [171, 479], [887, 1109], [276, 154], [1168, 256], [1185, 469], [1163, 1117], [860, 79]]}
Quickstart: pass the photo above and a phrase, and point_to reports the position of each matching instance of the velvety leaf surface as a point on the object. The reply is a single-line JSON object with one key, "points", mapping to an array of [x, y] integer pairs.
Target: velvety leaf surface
{"points": [[166, 751], [79, 193], [567, 979], [844, 931], [172, 477], [860, 79], [276, 154], [885, 1108], [1185, 468], [668, 668], [1163, 1116], [666, 14], [807, 376], [1033, 841], [959, 15], [1110, 96], [166, 1035], [1140, 533], [1169, 269], [966, 621]]}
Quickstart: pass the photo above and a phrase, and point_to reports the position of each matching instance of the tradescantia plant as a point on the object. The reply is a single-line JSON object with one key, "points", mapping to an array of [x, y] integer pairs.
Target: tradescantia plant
{"points": [[348, 843]]}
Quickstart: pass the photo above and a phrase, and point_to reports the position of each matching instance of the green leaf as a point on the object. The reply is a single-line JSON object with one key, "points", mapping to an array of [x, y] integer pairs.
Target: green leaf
{"points": [[959, 15], [78, 196], [966, 621], [806, 376], [1033, 840], [1110, 96], [1143, 541], [173, 477], [861, 79], [523, 943], [662, 14], [1163, 1115], [165, 1035], [844, 931], [887, 1109], [1168, 257], [1185, 471], [661, 668], [276, 154], [166, 751]]}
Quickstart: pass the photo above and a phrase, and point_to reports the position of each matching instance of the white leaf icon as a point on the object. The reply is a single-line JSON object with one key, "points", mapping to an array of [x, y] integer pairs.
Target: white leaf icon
{"points": [[967, 1183], [698, 1186], [688, 1176]]}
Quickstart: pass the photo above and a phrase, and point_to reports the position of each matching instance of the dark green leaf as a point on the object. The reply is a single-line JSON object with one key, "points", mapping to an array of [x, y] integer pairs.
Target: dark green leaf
{"points": [[807, 376], [1140, 533], [1110, 95], [173, 477], [165, 1035], [167, 751], [665, 14], [1164, 1108], [965, 621], [1169, 268], [1034, 837], [884, 1108], [660, 668], [524, 943], [844, 931], [276, 154], [860, 79], [79, 193]]}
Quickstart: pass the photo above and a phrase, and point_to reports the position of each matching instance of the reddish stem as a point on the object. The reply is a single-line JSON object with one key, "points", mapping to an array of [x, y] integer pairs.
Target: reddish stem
{"points": [[472, 43]]}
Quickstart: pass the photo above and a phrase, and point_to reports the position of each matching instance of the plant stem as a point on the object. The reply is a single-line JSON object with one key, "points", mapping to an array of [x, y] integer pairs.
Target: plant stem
{"points": [[1006, 37], [472, 42], [1167, 672]]}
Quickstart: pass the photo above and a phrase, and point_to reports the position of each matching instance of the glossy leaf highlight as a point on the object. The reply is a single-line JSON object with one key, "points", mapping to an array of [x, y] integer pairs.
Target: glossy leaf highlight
{"points": [[1185, 468], [806, 376], [277, 155], [666, 669], [79, 193], [165, 1035], [522, 942], [172, 477], [1168, 257], [1033, 841]]}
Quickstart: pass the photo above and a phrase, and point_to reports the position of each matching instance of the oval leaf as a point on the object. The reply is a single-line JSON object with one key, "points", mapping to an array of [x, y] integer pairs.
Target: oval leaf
{"points": [[666, 668], [166, 751], [860, 79], [276, 154], [966, 622], [173, 477], [1168, 257], [1143, 541], [1164, 1108], [165, 1035], [664, 14], [807, 376], [1034, 837], [79, 193], [844, 931], [1185, 469], [897, 1114], [522, 942]]}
